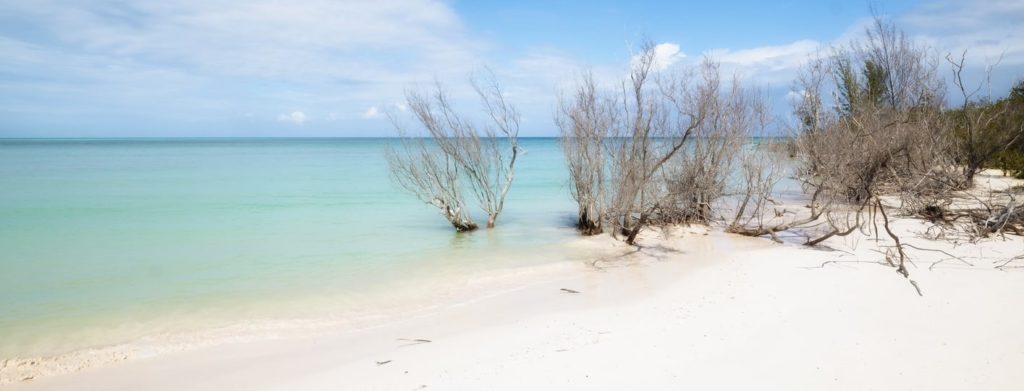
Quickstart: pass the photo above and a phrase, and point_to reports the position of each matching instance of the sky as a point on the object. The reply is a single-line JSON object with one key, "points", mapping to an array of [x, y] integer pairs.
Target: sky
{"points": [[323, 68]]}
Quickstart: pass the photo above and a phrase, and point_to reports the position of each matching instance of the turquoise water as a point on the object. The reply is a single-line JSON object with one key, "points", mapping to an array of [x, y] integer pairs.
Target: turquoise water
{"points": [[98, 235]]}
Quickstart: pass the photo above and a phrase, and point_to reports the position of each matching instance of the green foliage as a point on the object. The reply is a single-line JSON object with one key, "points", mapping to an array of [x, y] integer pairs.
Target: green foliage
{"points": [[1017, 94], [847, 86], [874, 83], [1010, 160], [859, 89]]}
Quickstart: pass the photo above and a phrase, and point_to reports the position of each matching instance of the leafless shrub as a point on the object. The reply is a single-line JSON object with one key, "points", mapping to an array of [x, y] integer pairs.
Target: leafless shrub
{"points": [[888, 136], [979, 132], [585, 121], [644, 139], [884, 135], [755, 209], [459, 153], [657, 152], [427, 172], [700, 175], [821, 155]]}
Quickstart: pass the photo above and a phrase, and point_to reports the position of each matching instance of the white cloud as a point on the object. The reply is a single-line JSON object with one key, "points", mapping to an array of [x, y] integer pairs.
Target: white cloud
{"points": [[796, 96], [665, 54], [301, 39], [168, 60], [371, 113], [986, 29], [769, 57], [163, 61], [296, 117]]}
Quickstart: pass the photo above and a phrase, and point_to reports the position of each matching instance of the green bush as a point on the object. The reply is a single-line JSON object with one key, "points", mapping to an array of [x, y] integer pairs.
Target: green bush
{"points": [[1005, 127], [1011, 162]]}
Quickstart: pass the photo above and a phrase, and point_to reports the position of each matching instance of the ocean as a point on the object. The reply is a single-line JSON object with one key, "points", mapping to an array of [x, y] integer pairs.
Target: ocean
{"points": [[106, 241]]}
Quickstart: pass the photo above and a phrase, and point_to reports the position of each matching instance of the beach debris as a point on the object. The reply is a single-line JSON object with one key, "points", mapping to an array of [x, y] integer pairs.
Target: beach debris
{"points": [[414, 341], [567, 290], [1006, 264], [379, 363]]}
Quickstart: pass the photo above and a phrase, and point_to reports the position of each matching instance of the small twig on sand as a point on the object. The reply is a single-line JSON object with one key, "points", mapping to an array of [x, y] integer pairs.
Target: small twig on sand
{"points": [[379, 363], [822, 266], [414, 341], [951, 256], [838, 262], [1005, 264], [567, 290], [917, 288]]}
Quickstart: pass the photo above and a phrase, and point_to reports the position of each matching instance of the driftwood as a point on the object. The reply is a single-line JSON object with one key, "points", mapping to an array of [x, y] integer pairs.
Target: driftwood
{"points": [[1006, 264], [414, 341]]}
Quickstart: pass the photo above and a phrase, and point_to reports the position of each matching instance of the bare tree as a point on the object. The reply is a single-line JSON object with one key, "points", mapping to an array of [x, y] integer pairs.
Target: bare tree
{"points": [[459, 153], [654, 126], [584, 122], [492, 184], [635, 153], [428, 173], [759, 174], [885, 135], [658, 151], [698, 177], [979, 135]]}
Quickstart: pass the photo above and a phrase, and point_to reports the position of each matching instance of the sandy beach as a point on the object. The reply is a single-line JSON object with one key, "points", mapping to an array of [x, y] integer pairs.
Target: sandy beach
{"points": [[693, 309], [470, 195]]}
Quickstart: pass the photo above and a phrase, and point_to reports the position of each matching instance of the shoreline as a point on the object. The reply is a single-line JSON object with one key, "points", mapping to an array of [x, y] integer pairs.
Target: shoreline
{"points": [[681, 298], [421, 296]]}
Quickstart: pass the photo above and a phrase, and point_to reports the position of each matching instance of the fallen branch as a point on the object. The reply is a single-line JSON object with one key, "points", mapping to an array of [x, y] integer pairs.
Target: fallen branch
{"points": [[1006, 263], [414, 341], [901, 266], [951, 256]]}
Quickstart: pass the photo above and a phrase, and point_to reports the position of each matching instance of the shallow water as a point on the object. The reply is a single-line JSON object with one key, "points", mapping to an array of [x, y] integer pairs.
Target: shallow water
{"points": [[105, 238], [108, 242]]}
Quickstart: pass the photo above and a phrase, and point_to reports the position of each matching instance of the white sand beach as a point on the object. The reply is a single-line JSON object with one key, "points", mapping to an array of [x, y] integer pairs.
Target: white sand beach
{"points": [[696, 309], [470, 195]]}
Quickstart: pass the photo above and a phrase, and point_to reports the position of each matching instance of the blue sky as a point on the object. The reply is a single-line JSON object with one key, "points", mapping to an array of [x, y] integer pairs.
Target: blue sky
{"points": [[117, 68]]}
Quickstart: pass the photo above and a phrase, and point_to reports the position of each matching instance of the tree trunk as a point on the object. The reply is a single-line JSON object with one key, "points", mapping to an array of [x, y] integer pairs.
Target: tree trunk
{"points": [[631, 239], [969, 175], [587, 224], [588, 227], [463, 225]]}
